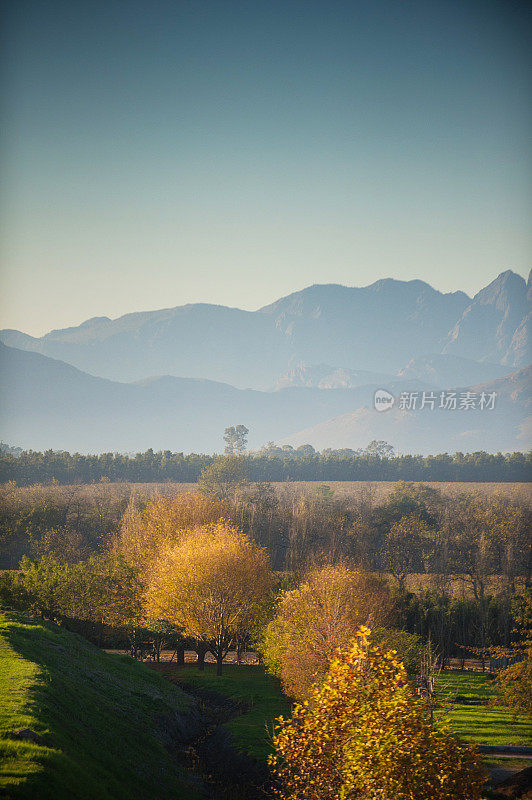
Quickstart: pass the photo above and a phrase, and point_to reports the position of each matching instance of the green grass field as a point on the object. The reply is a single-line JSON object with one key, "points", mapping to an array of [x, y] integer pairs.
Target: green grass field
{"points": [[96, 718], [251, 731], [467, 700]]}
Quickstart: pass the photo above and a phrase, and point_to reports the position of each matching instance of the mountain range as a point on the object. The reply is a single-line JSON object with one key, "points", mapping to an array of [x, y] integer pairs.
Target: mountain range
{"points": [[378, 328], [303, 369]]}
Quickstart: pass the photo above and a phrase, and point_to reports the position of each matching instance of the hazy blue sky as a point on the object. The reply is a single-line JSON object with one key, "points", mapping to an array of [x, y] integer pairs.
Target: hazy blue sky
{"points": [[158, 153]]}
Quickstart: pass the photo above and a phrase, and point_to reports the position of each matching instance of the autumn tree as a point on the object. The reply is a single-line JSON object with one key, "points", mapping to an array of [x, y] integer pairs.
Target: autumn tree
{"points": [[145, 532], [315, 619], [405, 546], [410, 648], [363, 735], [211, 584], [472, 545]]}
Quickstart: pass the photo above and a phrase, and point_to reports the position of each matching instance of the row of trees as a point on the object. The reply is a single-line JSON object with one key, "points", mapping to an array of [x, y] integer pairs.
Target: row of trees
{"points": [[103, 590], [207, 582], [467, 556], [272, 464], [453, 566], [67, 522]]}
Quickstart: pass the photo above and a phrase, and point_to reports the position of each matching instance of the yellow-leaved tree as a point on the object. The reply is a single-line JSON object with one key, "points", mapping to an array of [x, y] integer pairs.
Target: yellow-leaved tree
{"points": [[145, 532], [312, 621], [364, 735], [212, 584]]}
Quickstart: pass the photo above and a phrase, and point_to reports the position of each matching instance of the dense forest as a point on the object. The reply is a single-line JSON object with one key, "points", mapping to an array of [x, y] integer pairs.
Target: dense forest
{"points": [[271, 464]]}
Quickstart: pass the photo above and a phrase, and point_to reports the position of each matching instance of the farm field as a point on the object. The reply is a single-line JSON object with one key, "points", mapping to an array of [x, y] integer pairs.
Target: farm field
{"points": [[381, 489]]}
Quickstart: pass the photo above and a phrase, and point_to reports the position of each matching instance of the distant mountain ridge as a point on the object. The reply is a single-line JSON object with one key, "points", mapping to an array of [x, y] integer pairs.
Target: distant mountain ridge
{"points": [[377, 329], [487, 327], [301, 370], [506, 428], [48, 404]]}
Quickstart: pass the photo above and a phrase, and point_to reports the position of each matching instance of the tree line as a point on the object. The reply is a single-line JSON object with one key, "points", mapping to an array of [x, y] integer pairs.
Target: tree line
{"points": [[272, 464], [455, 565]]}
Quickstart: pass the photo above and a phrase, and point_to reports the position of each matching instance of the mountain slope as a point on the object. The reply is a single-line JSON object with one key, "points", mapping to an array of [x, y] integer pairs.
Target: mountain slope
{"points": [[487, 326], [442, 371], [377, 328], [446, 371], [506, 428], [323, 376], [45, 403]]}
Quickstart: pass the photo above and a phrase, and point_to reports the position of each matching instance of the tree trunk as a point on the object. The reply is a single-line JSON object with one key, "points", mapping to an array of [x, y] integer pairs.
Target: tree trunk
{"points": [[180, 655], [201, 657], [219, 661]]}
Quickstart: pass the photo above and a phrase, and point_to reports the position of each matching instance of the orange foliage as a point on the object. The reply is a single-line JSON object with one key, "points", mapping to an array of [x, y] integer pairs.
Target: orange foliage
{"points": [[312, 621], [211, 583], [145, 533]]}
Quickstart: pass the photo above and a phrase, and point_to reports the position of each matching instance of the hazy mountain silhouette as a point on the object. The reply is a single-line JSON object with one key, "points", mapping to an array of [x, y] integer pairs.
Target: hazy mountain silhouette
{"points": [[446, 371], [323, 376], [437, 370], [506, 428], [46, 403], [377, 329]]}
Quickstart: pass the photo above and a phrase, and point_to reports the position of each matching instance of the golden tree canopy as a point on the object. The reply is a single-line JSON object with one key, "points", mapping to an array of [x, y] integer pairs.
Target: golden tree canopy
{"points": [[312, 621], [145, 533], [363, 735], [211, 583]]}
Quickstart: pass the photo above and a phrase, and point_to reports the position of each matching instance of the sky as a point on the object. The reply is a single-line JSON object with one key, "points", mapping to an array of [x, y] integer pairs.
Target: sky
{"points": [[160, 153]]}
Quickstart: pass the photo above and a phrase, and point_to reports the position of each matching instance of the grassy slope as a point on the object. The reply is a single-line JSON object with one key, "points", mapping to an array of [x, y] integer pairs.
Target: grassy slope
{"points": [[477, 721], [95, 715], [250, 731]]}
